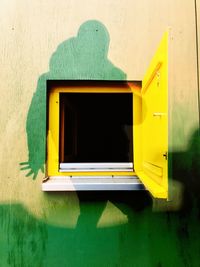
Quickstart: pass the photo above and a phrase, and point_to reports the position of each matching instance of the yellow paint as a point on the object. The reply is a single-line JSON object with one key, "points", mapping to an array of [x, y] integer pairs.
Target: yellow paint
{"points": [[53, 132], [151, 125]]}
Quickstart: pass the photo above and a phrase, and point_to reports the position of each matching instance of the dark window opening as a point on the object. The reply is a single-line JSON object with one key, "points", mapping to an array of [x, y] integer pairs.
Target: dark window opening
{"points": [[96, 127]]}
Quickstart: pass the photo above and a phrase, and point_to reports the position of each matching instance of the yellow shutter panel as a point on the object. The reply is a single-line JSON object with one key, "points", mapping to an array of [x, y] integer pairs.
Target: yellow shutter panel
{"points": [[151, 125]]}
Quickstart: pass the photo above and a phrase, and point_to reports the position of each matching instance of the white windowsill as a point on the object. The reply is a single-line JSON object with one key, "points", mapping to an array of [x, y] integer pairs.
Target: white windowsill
{"points": [[91, 183]]}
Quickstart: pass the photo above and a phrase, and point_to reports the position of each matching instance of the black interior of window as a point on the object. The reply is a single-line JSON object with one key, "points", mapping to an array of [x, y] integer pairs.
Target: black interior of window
{"points": [[96, 127]]}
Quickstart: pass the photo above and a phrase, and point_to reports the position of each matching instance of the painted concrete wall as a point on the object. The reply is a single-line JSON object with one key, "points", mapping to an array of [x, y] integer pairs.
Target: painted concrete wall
{"points": [[96, 229]]}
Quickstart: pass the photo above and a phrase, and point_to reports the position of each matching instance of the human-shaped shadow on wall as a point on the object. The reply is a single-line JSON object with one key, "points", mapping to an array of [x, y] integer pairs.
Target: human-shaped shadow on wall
{"points": [[83, 57]]}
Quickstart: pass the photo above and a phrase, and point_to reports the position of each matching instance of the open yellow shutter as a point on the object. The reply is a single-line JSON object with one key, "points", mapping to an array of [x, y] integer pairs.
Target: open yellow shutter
{"points": [[151, 125]]}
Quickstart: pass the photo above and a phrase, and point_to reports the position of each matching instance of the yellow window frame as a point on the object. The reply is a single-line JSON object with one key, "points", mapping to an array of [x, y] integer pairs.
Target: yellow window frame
{"points": [[54, 120]]}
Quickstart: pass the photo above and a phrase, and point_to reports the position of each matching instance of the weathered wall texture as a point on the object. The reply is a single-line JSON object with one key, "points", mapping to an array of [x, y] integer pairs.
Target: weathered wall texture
{"points": [[96, 229]]}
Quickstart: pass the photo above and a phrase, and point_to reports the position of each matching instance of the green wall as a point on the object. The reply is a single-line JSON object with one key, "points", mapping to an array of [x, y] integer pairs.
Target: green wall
{"points": [[146, 239], [97, 229]]}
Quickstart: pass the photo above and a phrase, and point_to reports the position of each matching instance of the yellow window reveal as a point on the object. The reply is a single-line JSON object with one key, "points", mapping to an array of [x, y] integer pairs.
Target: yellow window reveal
{"points": [[59, 160]]}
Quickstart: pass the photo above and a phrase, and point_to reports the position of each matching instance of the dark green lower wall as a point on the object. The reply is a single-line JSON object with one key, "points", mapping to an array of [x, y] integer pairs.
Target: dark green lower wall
{"points": [[148, 239]]}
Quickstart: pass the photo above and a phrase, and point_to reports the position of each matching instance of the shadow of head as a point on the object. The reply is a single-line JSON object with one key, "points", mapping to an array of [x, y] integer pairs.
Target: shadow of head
{"points": [[93, 39]]}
